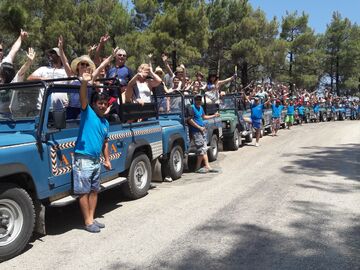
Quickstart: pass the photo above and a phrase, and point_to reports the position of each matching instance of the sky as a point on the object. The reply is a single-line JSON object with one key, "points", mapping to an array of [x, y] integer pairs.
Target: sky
{"points": [[319, 11]]}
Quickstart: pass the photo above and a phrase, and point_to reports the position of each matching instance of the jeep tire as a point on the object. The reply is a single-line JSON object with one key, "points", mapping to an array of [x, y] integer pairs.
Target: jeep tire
{"points": [[139, 177], [235, 141], [249, 136], [17, 219], [174, 165], [214, 149]]}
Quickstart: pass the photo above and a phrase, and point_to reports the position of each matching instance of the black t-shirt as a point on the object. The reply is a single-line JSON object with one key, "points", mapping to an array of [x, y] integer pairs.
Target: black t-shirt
{"points": [[160, 89]]}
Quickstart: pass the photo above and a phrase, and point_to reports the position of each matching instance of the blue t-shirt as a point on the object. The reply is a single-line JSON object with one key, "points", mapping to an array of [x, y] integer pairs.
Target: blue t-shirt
{"points": [[290, 109], [301, 110], [316, 108], [92, 133], [198, 119], [123, 73], [276, 110], [257, 111]]}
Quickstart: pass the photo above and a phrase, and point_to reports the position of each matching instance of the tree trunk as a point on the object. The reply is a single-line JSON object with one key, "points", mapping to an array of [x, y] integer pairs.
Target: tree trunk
{"points": [[337, 76], [244, 74], [290, 73]]}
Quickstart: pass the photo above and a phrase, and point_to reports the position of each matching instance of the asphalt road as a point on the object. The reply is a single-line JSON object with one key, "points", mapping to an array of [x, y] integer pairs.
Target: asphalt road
{"points": [[292, 203]]}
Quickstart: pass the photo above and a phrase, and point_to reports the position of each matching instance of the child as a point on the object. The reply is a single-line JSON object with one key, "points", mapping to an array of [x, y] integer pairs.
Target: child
{"points": [[91, 141]]}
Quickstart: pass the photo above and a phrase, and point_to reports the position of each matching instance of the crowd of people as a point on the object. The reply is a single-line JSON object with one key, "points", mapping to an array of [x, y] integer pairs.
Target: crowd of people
{"points": [[91, 70]]}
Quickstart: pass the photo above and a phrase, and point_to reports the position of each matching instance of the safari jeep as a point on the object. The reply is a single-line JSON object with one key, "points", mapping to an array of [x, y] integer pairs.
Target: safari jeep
{"points": [[36, 149]]}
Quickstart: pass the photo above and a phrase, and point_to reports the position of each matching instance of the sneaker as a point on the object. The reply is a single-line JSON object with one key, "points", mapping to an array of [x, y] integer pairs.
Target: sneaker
{"points": [[168, 179], [257, 144], [100, 225], [92, 228]]}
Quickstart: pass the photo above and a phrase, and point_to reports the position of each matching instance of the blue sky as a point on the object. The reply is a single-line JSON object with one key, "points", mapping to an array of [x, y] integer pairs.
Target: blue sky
{"points": [[319, 11]]}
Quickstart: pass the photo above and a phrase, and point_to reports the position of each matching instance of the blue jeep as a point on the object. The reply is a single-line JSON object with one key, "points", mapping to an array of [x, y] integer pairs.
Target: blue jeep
{"points": [[176, 107], [36, 150]]}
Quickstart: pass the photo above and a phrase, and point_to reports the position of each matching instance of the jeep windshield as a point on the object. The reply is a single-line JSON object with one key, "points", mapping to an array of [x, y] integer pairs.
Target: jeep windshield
{"points": [[170, 104], [20, 102], [227, 103]]}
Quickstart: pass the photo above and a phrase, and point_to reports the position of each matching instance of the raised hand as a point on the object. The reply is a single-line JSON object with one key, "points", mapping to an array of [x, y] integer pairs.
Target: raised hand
{"points": [[150, 55], [115, 51], [86, 77], [23, 34], [104, 39], [91, 49], [31, 54], [164, 57], [61, 43]]}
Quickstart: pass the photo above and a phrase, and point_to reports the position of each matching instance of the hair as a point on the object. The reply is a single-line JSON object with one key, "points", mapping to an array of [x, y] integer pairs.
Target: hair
{"points": [[142, 67], [7, 72], [99, 96]]}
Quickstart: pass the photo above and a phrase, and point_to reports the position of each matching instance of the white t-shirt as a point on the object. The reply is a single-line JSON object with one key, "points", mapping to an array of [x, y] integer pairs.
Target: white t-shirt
{"points": [[144, 91], [58, 100]]}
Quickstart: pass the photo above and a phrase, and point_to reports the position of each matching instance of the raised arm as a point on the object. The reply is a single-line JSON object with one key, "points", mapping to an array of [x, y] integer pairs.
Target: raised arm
{"points": [[103, 64], [16, 46], [25, 67], [156, 79], [222, 82], [167, 66], [83, 89], [99, 48], [63, 57]]}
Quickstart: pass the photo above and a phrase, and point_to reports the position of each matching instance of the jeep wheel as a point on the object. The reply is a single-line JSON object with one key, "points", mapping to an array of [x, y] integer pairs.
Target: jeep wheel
{"points": [[17, 218], [249, 137], [174, 165], [234, 143], [213, 149], [139, 177], [324, 117]]}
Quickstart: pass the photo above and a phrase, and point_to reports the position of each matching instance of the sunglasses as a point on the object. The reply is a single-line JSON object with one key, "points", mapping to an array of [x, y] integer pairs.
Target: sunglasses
{"points": [[84, 64], [123, 55], [1, 49]]}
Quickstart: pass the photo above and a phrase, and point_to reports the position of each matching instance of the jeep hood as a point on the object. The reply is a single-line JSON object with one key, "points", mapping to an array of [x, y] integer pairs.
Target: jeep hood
{"points": [[169, 123], [8, 139]]}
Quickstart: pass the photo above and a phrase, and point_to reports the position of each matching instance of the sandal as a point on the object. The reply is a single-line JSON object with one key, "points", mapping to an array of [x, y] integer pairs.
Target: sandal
{"points": [[202, 170], [214, 171]]}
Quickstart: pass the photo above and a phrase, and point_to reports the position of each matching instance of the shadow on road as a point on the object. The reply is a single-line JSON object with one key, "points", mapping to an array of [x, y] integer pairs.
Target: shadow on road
{"points": [[62, 219], [342, 160], [224, 244]]}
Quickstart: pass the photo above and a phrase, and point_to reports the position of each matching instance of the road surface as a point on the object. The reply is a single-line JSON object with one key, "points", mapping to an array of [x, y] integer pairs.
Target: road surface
{"points": [[292, 203]]}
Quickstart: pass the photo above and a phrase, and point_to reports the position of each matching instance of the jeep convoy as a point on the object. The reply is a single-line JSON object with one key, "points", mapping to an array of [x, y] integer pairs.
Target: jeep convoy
{"points": [[37, 142]]}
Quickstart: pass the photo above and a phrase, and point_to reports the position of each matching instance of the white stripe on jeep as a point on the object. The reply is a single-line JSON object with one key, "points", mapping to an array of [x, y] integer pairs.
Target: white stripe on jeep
{"points": [[17, 145]]}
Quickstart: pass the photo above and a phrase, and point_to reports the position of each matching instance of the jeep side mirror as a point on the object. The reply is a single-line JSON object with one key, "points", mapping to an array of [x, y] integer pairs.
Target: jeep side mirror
{"points": [[59, 119]]}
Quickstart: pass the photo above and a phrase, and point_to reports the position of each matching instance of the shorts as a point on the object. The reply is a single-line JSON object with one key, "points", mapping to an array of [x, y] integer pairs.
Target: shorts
{"points": [[200, 143], [86, 174], [256, 123], [289, 119], [276, 122]]}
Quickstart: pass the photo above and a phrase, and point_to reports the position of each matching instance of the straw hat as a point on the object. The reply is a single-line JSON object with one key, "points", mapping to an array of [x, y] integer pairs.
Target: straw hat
{"points": [[83, 58]]}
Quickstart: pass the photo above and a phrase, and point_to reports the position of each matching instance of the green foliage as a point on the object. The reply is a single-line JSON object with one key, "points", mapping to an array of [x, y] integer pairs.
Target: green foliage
{"points": [[214, 35]]}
